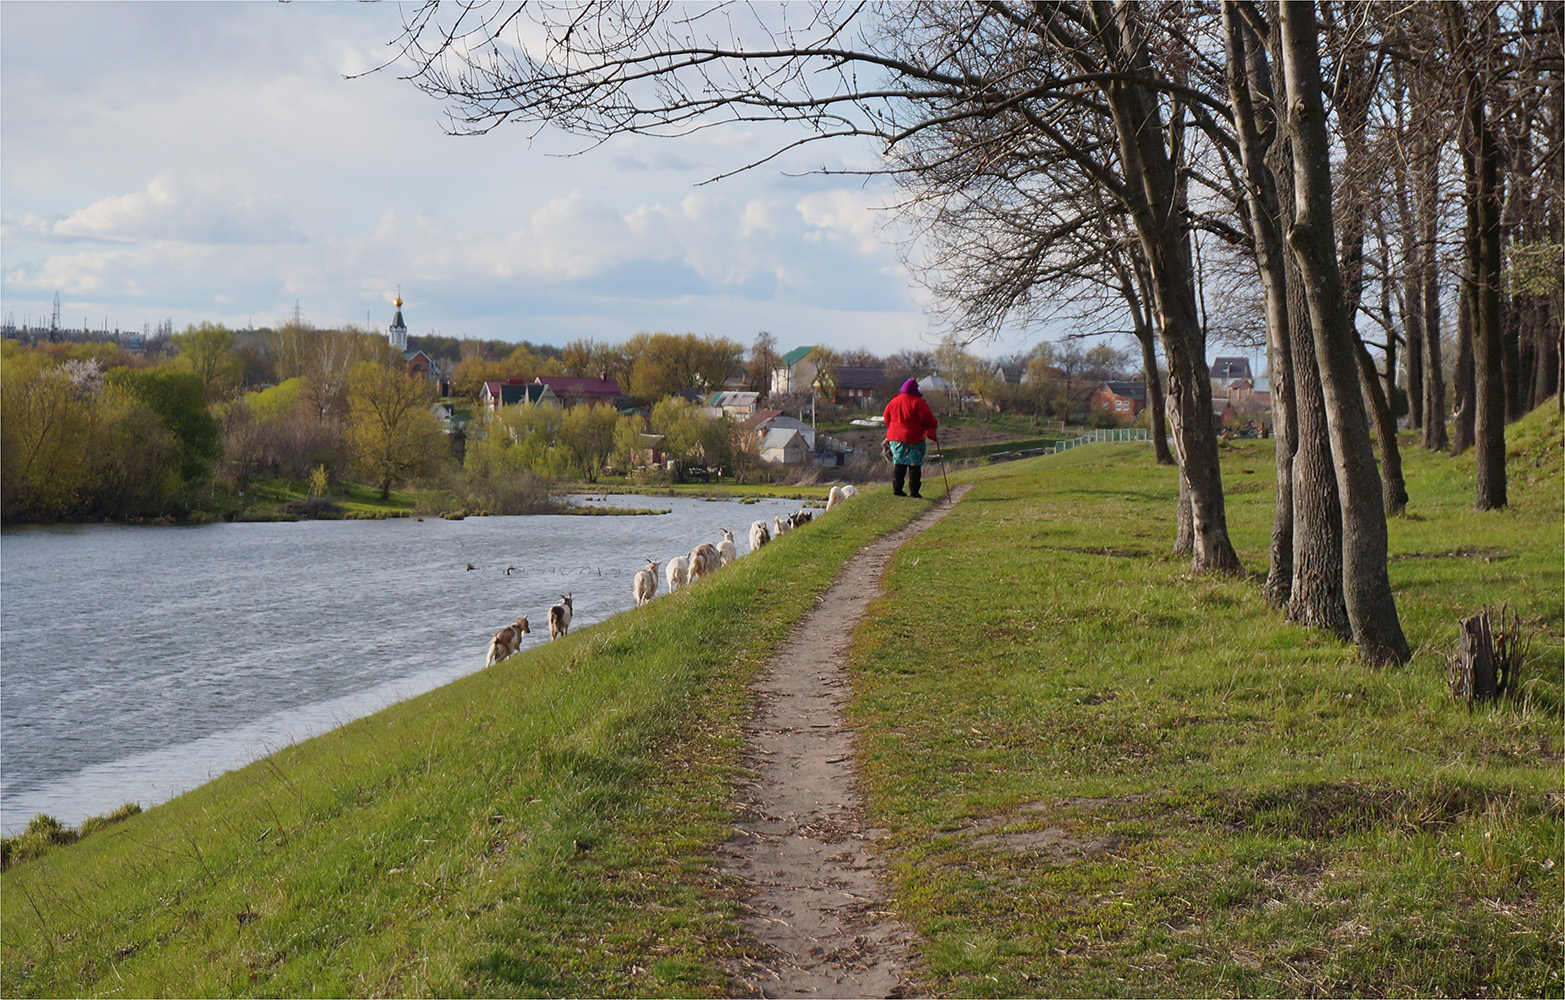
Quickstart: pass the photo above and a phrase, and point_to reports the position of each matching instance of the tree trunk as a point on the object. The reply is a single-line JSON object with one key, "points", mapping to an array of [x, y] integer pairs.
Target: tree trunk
{"points": [[1366, 583], [1488, 349], [1426, 199], [1315, 592], [1163, 233], [1411, 296], [1354, 89], [1462, 388], [1393, 487], [1184, 520], [1134, 284], [1249, 84]]}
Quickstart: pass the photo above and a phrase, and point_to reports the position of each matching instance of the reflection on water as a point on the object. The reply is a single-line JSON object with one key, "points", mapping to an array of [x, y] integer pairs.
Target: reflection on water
{"points": [[138, 662]]}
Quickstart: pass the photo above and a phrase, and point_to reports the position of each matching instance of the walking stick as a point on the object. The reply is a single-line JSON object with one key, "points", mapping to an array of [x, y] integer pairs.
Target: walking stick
{"points": [[945, 479]]}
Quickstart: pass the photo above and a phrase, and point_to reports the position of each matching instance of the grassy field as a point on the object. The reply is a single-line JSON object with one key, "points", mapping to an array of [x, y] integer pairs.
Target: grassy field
{"points": [[1101, 777], [1138, 783]]}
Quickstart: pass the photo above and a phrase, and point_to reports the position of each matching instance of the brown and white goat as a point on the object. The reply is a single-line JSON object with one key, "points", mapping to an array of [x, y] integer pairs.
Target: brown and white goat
{"points": [[507, 641], [560, 618]]}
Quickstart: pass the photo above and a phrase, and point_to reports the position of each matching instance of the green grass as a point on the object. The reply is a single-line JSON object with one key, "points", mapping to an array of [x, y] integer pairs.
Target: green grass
{"points": [[1101, 777], [1142, 783], [265, 500], [544, 827], [992, 447]]}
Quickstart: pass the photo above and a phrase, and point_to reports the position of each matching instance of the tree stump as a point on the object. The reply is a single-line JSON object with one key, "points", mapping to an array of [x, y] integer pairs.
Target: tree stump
{"points": [[1486, 664]]}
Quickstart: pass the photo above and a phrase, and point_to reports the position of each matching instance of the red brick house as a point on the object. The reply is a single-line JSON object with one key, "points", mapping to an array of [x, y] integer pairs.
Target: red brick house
{"points": [[1122, 399]]}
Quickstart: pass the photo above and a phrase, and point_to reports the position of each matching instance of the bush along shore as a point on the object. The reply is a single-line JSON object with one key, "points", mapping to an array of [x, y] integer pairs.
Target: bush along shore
{"points": [[1099, 776]]}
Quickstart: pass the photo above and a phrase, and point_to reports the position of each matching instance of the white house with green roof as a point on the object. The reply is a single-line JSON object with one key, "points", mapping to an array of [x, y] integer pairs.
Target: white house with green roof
{"points": [[796, 370]]}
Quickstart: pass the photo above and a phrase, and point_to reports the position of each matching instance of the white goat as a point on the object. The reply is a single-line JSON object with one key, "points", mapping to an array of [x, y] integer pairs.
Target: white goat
{"points": [[759, 536], [560, 618], [850, 491], [678, 572], [835, 497], [726, 553], [645, 586], [781, 525], [703, 561]]}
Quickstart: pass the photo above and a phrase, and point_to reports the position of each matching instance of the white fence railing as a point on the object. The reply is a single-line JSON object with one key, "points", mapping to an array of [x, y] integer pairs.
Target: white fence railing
{"points": [[1106, 434]]}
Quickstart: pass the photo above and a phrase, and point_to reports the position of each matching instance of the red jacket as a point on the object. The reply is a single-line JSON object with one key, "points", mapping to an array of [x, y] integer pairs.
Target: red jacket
{"points": [[909, 419]]}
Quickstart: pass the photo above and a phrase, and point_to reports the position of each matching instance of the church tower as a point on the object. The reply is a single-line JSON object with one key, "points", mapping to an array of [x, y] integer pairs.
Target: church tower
{"points": [[398, 332]]}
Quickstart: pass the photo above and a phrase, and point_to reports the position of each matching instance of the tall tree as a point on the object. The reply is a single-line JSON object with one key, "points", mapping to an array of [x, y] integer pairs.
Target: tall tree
{"points": [[1366, 581], [392, 434]]}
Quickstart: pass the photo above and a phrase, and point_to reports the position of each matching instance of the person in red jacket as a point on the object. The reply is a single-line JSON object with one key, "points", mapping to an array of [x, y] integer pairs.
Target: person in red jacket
{"points": [[909, 420]]}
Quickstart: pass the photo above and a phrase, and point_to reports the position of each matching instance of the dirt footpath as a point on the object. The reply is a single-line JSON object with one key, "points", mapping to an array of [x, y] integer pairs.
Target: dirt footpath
{"points": [[812, 890]]}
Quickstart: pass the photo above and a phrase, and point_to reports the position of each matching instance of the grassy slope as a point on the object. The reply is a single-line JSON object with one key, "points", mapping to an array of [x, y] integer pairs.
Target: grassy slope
{"points": [[1258, 813], [542, 827], [1138, 783]]}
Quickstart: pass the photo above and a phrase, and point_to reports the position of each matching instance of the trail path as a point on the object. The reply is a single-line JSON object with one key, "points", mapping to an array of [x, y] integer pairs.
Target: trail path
{"points": [[813, 895]]}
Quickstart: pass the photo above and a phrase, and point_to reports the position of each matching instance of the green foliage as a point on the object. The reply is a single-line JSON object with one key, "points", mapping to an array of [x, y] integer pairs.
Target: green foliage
{"points": [[82, 443], [1536, 268], [208, 351], [519, 438], [176, 397], [587, 434], [393, 435], [44, 833], [692, 436], [661, 364]]}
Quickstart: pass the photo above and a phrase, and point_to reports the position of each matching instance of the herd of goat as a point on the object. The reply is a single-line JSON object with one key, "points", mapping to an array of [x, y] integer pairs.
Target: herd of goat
{"points": [[681, 571]]}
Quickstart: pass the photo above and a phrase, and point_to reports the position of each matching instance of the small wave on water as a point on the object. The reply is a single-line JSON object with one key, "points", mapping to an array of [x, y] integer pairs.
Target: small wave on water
{"points": [[140, 662]]}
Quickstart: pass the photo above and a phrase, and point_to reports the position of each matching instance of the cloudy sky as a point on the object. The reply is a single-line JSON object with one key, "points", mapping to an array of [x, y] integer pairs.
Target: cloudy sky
{"points": [[209, 161]]}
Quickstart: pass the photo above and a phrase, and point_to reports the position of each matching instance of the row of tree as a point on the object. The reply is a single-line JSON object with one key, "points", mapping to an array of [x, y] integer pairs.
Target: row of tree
{"points": [[1100, 144]]}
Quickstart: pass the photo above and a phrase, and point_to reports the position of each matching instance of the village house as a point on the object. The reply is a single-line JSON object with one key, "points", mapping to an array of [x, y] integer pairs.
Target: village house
{"points": [[1122, 399], [736, 405], [575, 391], [1225, 373], [855, 385], [783, 446], [795, 371], [496, 395]]}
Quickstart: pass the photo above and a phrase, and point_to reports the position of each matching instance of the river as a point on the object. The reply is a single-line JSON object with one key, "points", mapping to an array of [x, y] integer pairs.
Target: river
{"points": [[139, 662]]}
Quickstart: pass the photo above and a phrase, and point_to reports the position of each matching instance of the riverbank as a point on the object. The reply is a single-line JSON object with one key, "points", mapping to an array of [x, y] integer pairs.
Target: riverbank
{"points": [[1096, 774]]}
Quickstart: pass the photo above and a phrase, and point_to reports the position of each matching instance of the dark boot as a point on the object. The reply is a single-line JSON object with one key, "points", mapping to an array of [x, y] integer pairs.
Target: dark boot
{"points": [[915, 476], [898, 474]]}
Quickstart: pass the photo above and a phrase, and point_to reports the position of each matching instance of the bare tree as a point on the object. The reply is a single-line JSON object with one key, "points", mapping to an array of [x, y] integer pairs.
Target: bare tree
{"points": [[889, 73]]}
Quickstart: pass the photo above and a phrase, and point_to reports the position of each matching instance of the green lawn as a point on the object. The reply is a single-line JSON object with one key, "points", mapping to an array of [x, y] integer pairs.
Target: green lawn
{"points": [[1101, 777], [1104, 777]]}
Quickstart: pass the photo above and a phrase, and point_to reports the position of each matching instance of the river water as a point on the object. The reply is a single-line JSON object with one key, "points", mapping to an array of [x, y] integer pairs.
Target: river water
{"points": [[139, 662]]}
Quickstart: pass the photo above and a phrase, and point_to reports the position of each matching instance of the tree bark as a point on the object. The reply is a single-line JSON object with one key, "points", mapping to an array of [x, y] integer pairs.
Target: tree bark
{"points": [[1315, 592], [1482, 147], [1162, 231], [1249, 85], [1462, 385], [1366, 583], [1427, 199]]}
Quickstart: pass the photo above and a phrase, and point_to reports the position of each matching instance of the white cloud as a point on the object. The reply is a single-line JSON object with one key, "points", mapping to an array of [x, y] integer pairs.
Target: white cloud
{"points": [[226, 180], [174, 206]]}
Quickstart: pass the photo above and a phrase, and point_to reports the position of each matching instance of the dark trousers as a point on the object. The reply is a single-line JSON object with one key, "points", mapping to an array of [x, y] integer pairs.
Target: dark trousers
{"points": [[913, 474]]}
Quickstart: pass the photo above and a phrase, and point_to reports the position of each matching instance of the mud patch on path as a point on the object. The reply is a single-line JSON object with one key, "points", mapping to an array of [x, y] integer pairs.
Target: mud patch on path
{"points": [[802, 853]]}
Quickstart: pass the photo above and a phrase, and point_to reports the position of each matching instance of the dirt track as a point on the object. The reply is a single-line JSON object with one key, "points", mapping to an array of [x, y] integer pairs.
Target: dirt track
{"points": [[813, 893]]}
